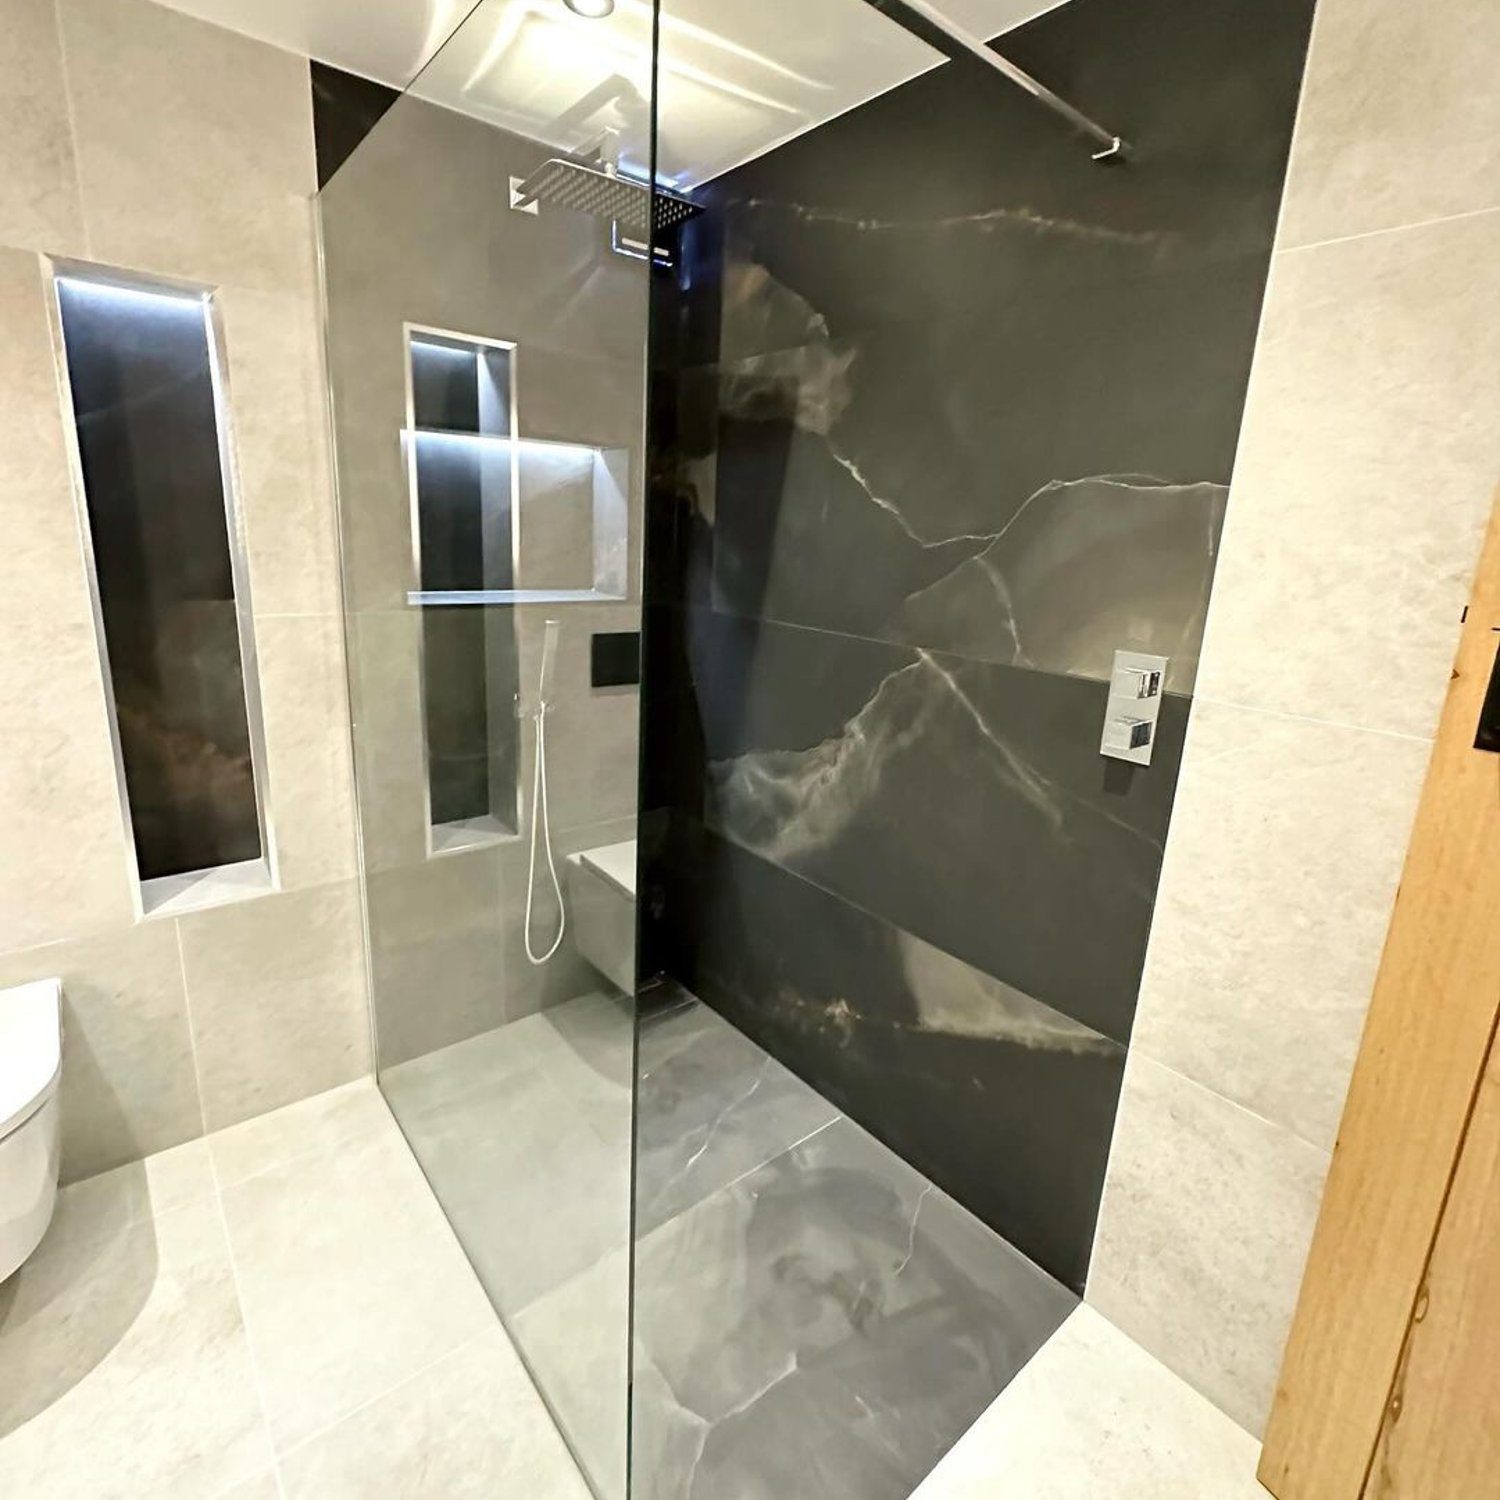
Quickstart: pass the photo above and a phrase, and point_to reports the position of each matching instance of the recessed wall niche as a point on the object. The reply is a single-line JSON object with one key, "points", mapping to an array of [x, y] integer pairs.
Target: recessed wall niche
{"points": [[145, 389], [497, 517]]}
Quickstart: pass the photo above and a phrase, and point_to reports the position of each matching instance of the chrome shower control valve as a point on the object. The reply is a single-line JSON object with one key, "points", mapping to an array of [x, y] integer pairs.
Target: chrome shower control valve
{"points": [[1136, 687]]}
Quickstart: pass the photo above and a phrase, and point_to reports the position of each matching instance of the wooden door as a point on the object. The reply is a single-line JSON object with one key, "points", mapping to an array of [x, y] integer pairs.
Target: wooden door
{"points": [[1390, 1386]]}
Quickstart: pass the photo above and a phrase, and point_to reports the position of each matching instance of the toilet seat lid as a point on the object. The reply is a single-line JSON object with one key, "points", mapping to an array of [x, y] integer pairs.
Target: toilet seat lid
{"points": [[30, 1048]]}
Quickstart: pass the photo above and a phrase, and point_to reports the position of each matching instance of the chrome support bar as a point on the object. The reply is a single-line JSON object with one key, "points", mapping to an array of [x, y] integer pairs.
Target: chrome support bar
{"points": [[919, 17]]}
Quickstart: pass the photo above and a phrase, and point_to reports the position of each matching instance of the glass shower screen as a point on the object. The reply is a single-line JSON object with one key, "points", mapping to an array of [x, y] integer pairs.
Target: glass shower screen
{"points": [[486, 258]]}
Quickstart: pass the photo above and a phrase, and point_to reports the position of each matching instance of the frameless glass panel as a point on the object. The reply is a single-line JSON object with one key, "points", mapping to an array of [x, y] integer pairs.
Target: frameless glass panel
{"points": [[140, 368], [486, 349]]}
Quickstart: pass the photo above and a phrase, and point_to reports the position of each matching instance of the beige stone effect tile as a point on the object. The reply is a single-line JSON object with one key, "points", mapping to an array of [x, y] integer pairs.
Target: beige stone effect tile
{"points": [[128, 1083], [1207, 1214], [180, 1177], [1400, 119], [213, 181], [389, 756], [43, 554], [1365, 474], [309, 768], [276, 992], [437, 952], [1094, 1417], [350, 1278], [321, 1123], [59, 797], [262, 1487], [124, 1368], [1271, 914], [471, 1426], [39, 205], [279, 421]]}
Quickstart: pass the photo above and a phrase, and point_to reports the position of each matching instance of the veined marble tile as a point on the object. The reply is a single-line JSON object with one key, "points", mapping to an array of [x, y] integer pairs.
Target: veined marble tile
{"points": [[827, 1325], [892, 777], [124, 1367], [1003, 1101], [1207, 1215], [470, 1427], [711, 1107], [1094, 1416], [350, 1279]]}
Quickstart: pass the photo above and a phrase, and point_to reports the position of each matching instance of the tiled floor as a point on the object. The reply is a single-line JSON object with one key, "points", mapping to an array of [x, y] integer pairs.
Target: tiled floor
{"points": [[281, 1312], [277, 1311]]}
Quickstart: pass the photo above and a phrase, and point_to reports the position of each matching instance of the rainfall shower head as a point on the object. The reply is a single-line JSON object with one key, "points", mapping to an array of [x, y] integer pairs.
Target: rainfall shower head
{"points": [[606, 195]]}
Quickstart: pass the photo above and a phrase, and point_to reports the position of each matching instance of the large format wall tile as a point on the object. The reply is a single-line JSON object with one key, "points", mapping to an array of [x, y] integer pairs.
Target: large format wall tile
{"points": [[1400, 121], [276, 991], [965, 802], [279, 405], [1204, 1228], [39, 204], [128, 1084], [1274, 899], [59, 797], [310, 791], [1364, 479], [436, 952], [194, 145], [1000, 1100]]}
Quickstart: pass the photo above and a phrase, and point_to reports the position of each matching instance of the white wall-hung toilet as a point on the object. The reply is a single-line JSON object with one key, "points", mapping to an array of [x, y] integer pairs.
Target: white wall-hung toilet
{"points": [[30, 1069], [602, 884]]}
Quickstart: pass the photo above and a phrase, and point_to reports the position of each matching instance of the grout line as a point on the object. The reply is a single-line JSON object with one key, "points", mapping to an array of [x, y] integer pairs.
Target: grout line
{"points": [[1281, 713], [187, 1008], [239, 1296], [1326, 1152], [404, 1381], [1370, 234], [67, 91]]}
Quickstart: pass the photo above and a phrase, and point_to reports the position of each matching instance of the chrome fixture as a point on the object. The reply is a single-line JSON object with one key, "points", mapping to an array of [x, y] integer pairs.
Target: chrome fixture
{"points": [[606, 194], [595, 10], [1135, 694], [930, 25], [541, 825]]}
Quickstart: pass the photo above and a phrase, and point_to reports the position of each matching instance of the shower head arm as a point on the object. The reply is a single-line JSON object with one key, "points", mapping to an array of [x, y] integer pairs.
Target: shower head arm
{"points": [[930, 25]]}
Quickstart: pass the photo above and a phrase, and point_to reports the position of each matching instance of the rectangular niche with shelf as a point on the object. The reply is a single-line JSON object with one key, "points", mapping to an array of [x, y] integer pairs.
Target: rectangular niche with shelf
{"points": [[498, 518]]}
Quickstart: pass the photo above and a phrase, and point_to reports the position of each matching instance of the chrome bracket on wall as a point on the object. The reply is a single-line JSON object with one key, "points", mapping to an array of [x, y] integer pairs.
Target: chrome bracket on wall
{"points": [[926, 22], [1136, 686]]}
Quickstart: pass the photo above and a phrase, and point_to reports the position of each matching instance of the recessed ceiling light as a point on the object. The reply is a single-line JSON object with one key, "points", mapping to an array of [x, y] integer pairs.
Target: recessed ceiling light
{"points": [[593, 9]]}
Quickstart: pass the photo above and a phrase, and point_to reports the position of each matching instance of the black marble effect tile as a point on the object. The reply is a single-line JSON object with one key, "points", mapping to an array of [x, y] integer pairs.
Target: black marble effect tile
{"points": [[1002, 1101], [985, 398], [964, 802], [826, 1326]]}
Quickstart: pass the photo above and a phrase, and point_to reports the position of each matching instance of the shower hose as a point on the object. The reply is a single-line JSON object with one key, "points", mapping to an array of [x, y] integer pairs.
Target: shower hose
{"points": [[540, 825]]}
